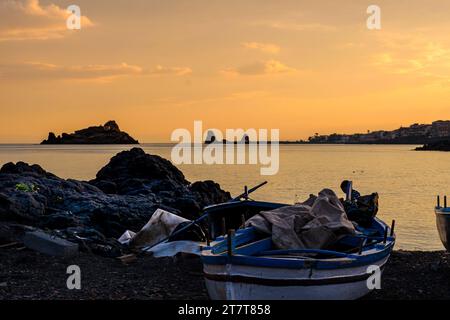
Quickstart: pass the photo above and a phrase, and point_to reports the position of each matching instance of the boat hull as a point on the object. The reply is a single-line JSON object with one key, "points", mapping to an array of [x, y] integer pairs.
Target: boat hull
{"points": [[443, 225], [235, 282]]}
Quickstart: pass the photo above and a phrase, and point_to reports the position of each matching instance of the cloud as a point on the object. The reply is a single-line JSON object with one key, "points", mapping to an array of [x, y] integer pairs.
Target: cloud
{"points": [[269, 67], [295, 26], [264, 47], [93, 72], [179, 71], [236, 96], [400, 54], [29, 20]]}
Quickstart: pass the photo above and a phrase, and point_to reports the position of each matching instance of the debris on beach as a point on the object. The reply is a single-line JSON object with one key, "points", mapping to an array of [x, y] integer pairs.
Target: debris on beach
{"points": [[128, 258], [160, 226], [51, 245]]}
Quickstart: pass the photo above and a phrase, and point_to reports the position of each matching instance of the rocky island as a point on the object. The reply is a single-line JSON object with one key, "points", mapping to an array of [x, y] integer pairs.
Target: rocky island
{"points": [[436, 146], [109, 133]]}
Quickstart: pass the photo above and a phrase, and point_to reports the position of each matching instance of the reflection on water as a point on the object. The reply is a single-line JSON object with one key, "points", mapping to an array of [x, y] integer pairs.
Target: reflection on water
{"points": [[407, 181]]}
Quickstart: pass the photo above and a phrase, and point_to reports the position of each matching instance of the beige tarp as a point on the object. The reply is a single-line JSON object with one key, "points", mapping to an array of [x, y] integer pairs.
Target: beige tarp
{"points": [[160, 226], [314, 224]]}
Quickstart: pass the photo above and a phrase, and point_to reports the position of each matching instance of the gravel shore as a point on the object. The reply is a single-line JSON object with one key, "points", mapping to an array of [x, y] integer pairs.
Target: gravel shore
{"points": [[29, 275]]}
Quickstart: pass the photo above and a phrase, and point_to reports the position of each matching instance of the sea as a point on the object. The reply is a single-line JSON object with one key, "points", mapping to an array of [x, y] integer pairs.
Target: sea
{"points": [[407, 181]]}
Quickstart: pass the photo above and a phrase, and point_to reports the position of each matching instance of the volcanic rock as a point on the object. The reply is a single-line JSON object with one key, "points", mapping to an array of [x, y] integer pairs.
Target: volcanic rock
{"points": [[93, 214], [443, 145], [109, 133]]}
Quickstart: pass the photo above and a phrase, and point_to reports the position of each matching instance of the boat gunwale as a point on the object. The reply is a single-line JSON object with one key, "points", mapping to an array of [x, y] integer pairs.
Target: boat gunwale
{"points": [[350, 260], [236, 203], [442, 210]]}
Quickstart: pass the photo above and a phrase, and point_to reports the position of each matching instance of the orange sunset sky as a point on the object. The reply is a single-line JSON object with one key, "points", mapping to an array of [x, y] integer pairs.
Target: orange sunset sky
{"points": [[157, 65]]}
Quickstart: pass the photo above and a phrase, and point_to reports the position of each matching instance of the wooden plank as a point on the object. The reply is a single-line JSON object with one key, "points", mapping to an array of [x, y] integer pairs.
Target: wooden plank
{"points": [[8, 245], [128, 258], [242, 236]]}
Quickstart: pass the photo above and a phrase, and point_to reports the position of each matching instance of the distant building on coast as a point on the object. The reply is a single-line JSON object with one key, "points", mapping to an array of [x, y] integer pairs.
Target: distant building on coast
{"points": [[416, 133], [440, 128]]}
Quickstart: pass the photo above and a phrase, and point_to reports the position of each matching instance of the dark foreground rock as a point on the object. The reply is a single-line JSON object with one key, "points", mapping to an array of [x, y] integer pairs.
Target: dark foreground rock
{"points": [[435, 146], [123, 196], [109, 133], [29, 275], [135, 173]]}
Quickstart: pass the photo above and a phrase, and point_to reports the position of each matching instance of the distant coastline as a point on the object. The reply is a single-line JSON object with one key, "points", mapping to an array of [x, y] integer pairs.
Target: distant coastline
{"points": [[415, 134], [381, 142]]}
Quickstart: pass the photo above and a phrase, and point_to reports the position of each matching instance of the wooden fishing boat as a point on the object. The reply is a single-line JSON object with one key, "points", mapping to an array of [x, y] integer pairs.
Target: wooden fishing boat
{"points": [[247, 267], [443, 222]]}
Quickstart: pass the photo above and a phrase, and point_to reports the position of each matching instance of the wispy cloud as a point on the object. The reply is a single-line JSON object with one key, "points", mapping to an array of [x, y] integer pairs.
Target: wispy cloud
{"points": [[269, 67], [294, 26], [400, 54], [263, 47], [236, 96], [178, 71], [29, 20], [93, 72]]}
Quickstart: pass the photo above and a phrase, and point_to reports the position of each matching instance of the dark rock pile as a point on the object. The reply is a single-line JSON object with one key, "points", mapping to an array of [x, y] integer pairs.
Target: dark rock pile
{"points": [[443, 145], [123, 196], [135, 173], [109, 133]]}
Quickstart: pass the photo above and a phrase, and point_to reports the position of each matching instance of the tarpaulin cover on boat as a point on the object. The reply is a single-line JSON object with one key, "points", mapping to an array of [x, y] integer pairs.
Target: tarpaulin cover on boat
{"points": [[161, 225], [314, 224]]}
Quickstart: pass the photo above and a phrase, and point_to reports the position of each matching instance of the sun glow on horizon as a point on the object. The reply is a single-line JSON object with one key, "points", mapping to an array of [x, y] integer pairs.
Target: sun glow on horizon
{"points": [[154, 66]]}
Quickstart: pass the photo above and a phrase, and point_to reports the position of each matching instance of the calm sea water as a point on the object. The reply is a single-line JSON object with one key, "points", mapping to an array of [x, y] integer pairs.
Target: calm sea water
{"points": [[407, 181]]}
